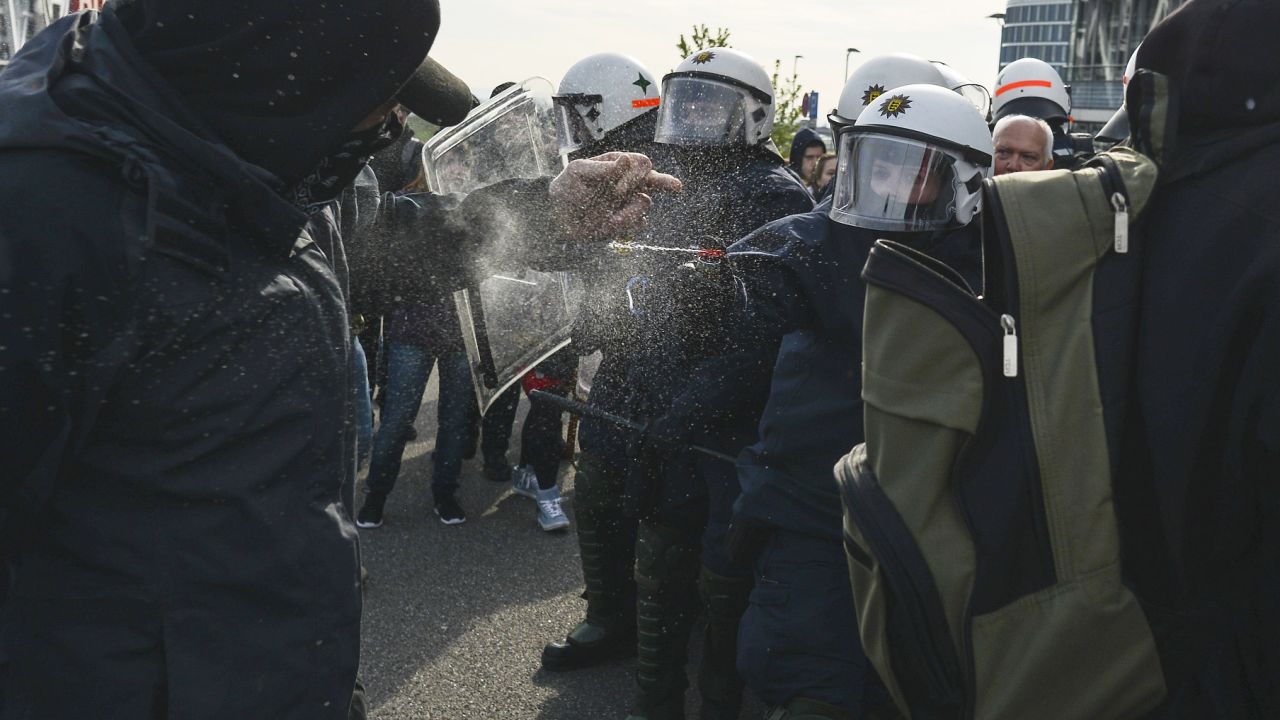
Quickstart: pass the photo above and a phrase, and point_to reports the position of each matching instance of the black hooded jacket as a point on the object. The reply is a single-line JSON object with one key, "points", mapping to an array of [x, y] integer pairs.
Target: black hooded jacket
{"points": [[1200, 503], [174, 358], [804, 139]]}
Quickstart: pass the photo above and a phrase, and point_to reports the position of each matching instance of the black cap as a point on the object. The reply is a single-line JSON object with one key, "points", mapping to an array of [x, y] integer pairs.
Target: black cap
{"points": [[437, 95]]}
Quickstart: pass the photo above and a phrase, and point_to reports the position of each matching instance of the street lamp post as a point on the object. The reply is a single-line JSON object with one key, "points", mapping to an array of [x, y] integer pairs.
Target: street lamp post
{"points": [[847, 53], [999, 17], [795, 63]]}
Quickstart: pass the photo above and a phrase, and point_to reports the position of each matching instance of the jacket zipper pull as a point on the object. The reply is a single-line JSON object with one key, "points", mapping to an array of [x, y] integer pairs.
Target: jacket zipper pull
{"points": [[1122, 222], [1010, 345]]}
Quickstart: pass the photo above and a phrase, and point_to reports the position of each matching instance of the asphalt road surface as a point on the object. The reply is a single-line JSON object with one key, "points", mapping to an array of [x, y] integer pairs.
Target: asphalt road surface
{"points": [[455, 617]]}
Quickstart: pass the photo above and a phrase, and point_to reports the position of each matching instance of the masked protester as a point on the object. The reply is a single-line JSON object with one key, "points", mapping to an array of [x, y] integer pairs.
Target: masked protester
{"points": [[691, 377], [606, 102], [177, 430], [1200, 504], [910, 166]]}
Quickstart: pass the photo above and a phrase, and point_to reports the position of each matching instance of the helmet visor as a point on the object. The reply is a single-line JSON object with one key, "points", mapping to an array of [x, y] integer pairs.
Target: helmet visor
{"points": [[978, 95], [572, 131], [698, 111], [893, 184]]}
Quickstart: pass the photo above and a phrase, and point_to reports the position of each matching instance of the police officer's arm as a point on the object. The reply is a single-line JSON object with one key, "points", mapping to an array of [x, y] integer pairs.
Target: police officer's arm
{"points": [[779, 197], [771, 303]]}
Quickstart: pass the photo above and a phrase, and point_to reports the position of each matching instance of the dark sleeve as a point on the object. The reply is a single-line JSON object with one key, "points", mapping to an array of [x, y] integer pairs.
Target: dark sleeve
{"points": [[776, 199], [426, 245], [62, 294], [772, 303]]}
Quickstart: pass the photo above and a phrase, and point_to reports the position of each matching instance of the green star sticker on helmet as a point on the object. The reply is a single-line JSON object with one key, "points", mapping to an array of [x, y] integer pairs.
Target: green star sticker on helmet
{"points": [[642, 83]]}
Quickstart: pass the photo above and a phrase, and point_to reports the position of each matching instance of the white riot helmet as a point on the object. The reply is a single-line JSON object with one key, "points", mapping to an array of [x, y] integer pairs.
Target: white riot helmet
{"points": [[599, 94], [1032, 87], [913, 162], [975, 93], [876, 75], [1117, 128], [716, 97]]}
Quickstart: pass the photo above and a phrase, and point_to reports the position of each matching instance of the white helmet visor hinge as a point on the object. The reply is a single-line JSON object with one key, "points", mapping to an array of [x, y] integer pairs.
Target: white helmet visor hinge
{"points": [[577, 116], [701, 108]]}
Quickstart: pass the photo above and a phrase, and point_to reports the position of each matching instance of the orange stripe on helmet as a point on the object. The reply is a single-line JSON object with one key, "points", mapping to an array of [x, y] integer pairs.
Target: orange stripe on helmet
{"points": [[646, 103], [1024, 83]]}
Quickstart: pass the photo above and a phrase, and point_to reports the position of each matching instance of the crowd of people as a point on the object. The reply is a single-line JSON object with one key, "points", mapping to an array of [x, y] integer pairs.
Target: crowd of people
{"points": [[245, 306]]}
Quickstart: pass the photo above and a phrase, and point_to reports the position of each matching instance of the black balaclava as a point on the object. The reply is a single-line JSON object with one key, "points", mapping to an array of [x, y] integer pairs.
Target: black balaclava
{"points": [[283, 82], [340, 167]]}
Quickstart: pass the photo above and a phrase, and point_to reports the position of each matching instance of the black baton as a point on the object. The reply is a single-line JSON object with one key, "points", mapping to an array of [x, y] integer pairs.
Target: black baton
{"points": [[584, 410]]}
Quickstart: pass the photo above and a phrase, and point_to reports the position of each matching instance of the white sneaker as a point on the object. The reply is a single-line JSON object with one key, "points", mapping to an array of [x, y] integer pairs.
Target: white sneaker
{"points": [[550, 515], [524, 481]]}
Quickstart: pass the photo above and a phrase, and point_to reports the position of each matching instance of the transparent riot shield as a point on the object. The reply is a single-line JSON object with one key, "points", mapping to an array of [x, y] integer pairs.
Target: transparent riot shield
{"points": [[517, 317]]}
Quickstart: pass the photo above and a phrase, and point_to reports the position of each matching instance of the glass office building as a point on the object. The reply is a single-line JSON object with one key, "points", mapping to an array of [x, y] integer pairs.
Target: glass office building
{"points": [[1038, 29]]}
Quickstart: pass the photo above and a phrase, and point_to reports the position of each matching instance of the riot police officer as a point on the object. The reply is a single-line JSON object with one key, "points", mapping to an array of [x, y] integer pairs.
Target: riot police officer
{"points": [[1032, 87], [910, 168], [606, 102], [691, 374]]}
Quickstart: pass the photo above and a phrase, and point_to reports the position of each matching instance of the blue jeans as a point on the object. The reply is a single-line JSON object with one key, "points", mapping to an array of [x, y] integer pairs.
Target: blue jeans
{"points": [[455, 418], [364, 403], [408, 368]]}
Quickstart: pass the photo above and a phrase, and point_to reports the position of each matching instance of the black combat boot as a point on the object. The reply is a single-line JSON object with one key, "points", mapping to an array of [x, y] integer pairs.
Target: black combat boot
{"points": [[606, 539]]}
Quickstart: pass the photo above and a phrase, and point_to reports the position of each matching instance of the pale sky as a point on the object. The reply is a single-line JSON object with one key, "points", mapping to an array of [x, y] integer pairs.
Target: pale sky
{"points": [[486, 42]]}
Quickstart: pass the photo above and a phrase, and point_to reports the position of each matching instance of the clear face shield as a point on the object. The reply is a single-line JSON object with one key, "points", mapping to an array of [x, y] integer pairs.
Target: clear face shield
{"points": [[572, 111], [512, 135], [698, 111], [893, 184], [978, 95]]}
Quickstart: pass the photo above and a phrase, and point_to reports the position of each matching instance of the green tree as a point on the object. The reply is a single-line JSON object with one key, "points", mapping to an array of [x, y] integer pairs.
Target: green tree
{"points": [[702, 38], [787, 113]]}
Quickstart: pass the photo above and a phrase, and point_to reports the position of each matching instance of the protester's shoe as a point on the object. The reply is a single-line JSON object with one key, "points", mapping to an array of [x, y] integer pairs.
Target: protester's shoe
{"points": [[589, 644], [450, 511], [524, 481], [370, 515], [550, 515], [497, 471]]}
